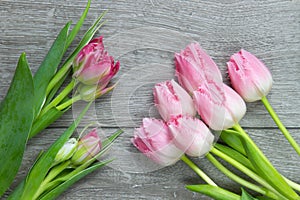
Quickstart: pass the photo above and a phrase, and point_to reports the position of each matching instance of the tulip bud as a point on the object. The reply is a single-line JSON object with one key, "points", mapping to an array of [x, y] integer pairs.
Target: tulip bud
{"points": [[88, 147], [191, 135], [194, 67], [93, 65], [66, 152], [249, 76], [172, 100], [154, 140], [219, 106]]}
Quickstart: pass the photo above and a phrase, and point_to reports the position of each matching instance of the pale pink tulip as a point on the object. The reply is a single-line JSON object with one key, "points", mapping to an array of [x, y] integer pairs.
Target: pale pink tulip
{"points": [[93, 65], [191, 135], [172, 100], [249, 76], [194, 67], [155, 141], [219, 106], [88, 147]]}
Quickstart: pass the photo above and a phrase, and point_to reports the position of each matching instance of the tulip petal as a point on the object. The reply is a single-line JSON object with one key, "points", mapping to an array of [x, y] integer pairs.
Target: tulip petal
{"points": [[191, 135], [172, 100], [194, 67], [219, 106]]}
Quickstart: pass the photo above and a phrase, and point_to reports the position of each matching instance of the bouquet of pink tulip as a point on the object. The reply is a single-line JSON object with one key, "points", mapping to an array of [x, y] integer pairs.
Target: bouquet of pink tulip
{"points": [[34, 102], [181, 133]]}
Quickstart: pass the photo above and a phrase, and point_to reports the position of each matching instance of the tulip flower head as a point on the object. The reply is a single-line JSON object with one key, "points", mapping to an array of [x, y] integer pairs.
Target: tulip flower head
{"points": [[172, 100], [88, 147], [249, 76], [219, 106], [194, 67], [67, 151], [155, 141], [93, 66], [191, 135]]}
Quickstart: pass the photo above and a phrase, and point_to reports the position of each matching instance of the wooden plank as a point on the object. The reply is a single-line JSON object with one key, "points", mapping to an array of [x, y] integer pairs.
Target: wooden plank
{"points": [[269, 29]]}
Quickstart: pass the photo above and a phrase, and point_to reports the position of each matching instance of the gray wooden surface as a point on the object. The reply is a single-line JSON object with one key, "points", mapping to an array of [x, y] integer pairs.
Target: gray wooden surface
{"points": [[143, 35]]}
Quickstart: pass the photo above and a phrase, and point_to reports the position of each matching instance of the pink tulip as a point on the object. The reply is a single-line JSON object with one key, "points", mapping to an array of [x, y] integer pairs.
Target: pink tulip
{"points": [[191, 135], [172, 100], [88, 147], [93, 65], [249, 76], [154, 140], [194, 67], [219, 106]]}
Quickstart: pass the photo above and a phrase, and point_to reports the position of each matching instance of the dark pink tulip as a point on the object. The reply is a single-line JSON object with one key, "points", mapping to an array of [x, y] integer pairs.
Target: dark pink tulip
{"points": [[93, 65]]}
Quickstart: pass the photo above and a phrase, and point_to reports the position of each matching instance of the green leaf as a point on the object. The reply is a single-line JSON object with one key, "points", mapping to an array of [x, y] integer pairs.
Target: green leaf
{"points": [[266, 170], [88, 36], [77, 27], [215, 192], [235, 155], [43, 164], [54, 90], [55, 85], [48, 68], [232, 139], [48, 118], [52, 194], [17, 193], [246, 196], [264, 198], [16, 116], [111, 138]]}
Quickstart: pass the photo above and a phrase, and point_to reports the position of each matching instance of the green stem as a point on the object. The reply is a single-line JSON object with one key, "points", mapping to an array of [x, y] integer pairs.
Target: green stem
{"points": [[198, 171], [52, 174], [59, 97], [69, 102], [59, 75], [238, 179], [56, 170], [245, 170], [265, 167], [293, 184], [241, 131], [280, 125], [214, 192]]}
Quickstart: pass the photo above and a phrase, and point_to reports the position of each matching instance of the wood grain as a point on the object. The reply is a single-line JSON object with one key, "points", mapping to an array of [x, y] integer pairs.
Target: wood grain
{"points": [[144, 36]]}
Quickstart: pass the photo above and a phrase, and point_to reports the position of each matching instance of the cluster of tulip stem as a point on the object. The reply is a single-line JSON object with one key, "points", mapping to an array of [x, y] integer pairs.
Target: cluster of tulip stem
{"points": [[241, 162]]}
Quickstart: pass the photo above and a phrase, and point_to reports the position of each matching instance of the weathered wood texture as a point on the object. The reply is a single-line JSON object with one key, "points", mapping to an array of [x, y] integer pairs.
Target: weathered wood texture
{"points": [[144, 35]]}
